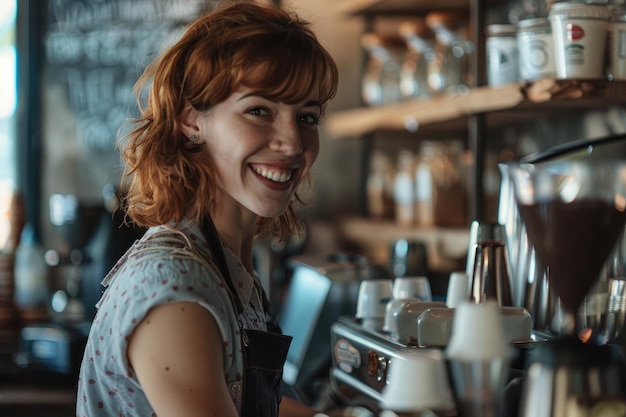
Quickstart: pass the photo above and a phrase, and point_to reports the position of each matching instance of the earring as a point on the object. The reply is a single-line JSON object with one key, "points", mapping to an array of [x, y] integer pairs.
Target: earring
{"points": [[195, 138]]}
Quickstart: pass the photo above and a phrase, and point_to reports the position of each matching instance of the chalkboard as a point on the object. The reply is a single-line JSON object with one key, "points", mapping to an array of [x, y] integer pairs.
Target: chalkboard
{"points": [[97, 49]]}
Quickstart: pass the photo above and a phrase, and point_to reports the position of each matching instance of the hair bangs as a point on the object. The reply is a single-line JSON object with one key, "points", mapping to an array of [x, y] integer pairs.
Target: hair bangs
{"points": [[289, 74]]}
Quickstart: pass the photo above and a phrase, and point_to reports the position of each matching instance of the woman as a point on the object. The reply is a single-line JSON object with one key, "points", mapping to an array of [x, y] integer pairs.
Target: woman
{"points": [[228, 132]]}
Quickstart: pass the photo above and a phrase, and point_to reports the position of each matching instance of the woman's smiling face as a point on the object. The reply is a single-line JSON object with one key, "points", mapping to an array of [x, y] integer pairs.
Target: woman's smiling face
{"points": [[262, 149]]}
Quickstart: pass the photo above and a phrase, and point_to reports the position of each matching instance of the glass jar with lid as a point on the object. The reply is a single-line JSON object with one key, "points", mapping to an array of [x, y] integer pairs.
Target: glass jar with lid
{"points": [[381, 78], [450, 70], [419, 52]]}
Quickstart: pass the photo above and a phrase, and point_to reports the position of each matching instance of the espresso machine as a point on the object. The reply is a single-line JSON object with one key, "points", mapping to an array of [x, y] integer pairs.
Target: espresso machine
{"points": [[362, 356]]}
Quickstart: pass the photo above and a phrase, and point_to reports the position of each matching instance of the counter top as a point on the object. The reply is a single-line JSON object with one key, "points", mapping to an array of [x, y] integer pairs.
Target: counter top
{"points": [[25, 395], [28, 392]]}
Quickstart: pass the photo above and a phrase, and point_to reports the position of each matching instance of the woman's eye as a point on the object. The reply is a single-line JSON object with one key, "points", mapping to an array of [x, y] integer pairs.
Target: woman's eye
{"points": [[312, 119], [258, 112]]}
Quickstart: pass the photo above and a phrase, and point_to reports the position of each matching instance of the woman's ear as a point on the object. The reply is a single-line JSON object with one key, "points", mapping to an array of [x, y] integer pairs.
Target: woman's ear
{"points": [[188, 121]]}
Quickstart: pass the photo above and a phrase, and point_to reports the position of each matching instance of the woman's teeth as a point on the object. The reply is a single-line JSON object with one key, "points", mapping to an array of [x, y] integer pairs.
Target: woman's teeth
{"points": [[274, 174]]}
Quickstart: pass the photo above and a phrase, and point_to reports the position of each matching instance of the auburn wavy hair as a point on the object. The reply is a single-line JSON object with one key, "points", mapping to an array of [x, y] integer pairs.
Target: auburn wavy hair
{"points": [[262, 47]]}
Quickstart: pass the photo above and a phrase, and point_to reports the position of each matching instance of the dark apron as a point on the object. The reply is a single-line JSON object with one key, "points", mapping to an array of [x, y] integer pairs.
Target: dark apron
{"points": [[264, 353]]}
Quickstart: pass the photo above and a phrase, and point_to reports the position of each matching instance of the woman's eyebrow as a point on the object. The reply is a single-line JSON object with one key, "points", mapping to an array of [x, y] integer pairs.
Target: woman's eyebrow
{"points": [[310, 103], [313, 103]]}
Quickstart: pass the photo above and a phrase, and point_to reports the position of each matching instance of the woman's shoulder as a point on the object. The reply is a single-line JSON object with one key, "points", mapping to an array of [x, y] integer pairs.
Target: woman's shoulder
{"points": [[165, 250], [163, 267], [177, 241]]}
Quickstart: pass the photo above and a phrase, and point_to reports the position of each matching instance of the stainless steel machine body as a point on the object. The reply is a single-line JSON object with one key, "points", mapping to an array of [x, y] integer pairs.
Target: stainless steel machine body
{"points": [[361, 358]]}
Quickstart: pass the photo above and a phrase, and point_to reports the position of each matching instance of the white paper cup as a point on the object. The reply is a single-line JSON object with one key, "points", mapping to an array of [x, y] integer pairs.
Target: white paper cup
{"points": [[536, 49], [458, 289], [374, 294], [618, 45], [478, 333], [417, 288], [580, 33], [417, 381]]}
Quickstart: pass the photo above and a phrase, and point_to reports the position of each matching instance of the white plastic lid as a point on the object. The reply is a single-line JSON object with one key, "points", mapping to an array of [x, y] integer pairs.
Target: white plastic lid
{"points": [[502, 30], [527, 25], [577, 10]]}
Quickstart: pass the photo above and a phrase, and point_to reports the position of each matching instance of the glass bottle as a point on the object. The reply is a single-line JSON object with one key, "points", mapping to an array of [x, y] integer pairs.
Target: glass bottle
{"points": [[425, 171], [450, 206], [380, 186], [404, 189], [31, 272]]}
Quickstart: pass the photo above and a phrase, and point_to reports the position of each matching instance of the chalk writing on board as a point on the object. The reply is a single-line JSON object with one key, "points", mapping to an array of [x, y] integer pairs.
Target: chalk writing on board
{"points": [[98, 48]]}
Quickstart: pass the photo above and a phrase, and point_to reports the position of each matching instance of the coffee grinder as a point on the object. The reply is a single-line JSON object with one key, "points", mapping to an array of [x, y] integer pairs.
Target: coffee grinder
{"points": [[574, 212], [93, 237]]}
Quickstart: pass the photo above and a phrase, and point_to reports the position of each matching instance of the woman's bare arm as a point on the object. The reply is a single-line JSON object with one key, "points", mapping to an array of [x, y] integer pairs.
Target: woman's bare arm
{"points": [[176, 353]]}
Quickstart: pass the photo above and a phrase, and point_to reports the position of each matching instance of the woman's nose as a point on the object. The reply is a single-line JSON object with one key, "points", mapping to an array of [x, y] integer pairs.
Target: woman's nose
{"points": [[286, 138]]}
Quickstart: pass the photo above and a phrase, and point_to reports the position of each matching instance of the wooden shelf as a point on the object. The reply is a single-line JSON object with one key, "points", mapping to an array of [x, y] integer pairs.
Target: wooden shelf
{"points": [[447, 247], [523, 99], [390, 7]]}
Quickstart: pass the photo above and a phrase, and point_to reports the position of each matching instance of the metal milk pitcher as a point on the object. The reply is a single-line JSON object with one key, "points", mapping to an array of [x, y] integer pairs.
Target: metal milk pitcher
{"points": [[488, 265]]}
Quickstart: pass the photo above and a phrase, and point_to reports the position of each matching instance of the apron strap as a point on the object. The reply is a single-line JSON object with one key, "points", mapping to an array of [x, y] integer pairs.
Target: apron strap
{"points": [[264, 353], [210, 234]]}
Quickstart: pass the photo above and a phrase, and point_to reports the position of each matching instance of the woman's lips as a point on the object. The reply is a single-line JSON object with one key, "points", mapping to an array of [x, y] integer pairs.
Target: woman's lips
{"points": [[279, 179], [280, 175]]}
